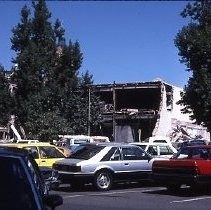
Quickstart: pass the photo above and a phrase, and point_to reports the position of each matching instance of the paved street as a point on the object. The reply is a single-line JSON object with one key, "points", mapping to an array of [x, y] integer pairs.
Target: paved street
{"points": [[133, 197]]}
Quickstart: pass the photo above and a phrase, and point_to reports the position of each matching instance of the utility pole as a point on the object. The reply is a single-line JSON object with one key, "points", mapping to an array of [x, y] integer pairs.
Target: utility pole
{"points": [[89, 110], [114, 109]]}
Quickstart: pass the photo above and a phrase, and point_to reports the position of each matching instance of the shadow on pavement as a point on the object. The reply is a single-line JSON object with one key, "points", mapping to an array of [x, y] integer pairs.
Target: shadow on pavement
{"points": [[182, 192], [117, 186]]}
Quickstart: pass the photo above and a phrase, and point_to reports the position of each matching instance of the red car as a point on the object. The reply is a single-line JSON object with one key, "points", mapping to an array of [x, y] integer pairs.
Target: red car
{"points": [[191, 166]]}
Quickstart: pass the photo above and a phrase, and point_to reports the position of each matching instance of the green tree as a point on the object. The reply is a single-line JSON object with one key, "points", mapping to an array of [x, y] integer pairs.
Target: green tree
{"points": [[34, 41], [51, 97], [194, 44]]}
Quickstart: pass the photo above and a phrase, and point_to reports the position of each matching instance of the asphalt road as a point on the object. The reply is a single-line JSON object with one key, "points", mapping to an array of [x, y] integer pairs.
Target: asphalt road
{"points": [[133, 197]]}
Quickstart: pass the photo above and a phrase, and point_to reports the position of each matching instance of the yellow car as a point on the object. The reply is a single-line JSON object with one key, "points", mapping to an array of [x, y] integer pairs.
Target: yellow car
{"points": [[45, 154]]}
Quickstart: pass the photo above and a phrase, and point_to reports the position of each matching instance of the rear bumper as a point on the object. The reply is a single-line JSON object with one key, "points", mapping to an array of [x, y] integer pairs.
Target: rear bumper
{"points": [[66, 178], [165, 179]]}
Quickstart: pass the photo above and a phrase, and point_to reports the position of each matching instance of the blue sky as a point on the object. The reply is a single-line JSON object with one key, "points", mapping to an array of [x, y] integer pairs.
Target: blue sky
{"points": [[121, 41]]}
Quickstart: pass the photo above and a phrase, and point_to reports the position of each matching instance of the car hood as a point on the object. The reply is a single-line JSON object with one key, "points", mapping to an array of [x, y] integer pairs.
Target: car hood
{"points": [[69, 161]]}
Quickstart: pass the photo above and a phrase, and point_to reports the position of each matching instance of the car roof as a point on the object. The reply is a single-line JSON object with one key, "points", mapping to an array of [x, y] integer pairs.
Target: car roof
{"points": [[149, 143], [198, 146], [13, 151], [24, 144], [195, 140], [114, 144]]}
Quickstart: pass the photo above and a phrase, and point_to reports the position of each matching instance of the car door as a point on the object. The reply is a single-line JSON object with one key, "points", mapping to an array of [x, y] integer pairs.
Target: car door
{"points": [[45, 155], [135, 163], [49, 155]]}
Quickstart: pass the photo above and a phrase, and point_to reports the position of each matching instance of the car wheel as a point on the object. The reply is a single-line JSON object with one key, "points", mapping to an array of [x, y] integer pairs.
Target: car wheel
{"points": [[103, 180]]}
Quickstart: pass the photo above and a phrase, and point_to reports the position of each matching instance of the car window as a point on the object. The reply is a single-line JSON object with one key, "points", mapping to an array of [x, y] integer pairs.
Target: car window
{"points": [[160, 141], [50, 152], [86, 152], [33, 150], [14, 182], [192, 143], [152, 150], [199, 153], [112, 155], [142, 146], [181, 154], [166, 150], [193, 153], [81, 141], [116, 155], [133, 153]]}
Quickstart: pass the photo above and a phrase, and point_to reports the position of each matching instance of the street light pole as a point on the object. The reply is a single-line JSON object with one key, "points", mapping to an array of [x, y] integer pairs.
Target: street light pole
{"points": [[114, 109], [89, 111]]}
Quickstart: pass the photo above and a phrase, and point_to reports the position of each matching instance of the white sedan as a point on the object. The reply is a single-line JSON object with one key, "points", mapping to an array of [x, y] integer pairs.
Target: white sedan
{"points": [[163, 150], [104, 164]]}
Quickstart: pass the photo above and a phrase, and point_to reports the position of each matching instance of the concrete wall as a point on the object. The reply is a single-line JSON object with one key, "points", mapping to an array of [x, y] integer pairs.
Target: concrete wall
{"points": [[173, 119]]}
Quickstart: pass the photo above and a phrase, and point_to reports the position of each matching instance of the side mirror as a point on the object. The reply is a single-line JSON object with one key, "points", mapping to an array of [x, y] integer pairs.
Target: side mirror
{"points": [[52, 201]]}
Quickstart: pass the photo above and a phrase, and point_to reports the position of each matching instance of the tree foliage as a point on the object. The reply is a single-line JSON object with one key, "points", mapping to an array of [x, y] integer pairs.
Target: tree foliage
{"points": [[51, 96], [194, 44]]}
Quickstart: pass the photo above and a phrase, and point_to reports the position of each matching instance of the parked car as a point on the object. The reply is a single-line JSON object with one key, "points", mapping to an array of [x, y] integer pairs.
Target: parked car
{"points": [[158, 139], [22, 186], [45, 154], [157, 149], [67, 140], [191, 166], [100, 139], [192, 142], [103, 164]]}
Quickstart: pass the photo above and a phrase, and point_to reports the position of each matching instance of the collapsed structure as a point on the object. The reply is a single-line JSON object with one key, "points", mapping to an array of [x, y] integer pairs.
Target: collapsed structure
{"points": [[10, 132], [136, 111]]}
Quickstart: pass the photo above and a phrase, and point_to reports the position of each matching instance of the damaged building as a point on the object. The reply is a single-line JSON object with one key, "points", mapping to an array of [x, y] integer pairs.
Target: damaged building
{"points": [[136, 111]]}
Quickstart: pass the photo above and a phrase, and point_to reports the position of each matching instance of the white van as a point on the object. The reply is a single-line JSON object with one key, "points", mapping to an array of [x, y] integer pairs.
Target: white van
{"points": [[27, 141], [100, 139], [158, 139], [75, 139]]}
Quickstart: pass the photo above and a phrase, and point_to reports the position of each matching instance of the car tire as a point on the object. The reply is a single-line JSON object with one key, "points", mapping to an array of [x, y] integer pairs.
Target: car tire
{"points": [[103, 180]]}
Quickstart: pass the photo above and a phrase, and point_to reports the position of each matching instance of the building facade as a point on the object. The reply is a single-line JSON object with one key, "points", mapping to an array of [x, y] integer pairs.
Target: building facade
{"points": [[136, 111]]}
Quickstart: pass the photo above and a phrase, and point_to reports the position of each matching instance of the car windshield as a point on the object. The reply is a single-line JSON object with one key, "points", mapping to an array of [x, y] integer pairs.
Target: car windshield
{"points": [[192, 143], [86, 152], [193, 153], [142, 146]]}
